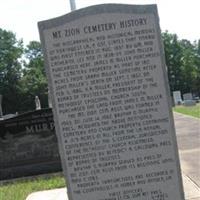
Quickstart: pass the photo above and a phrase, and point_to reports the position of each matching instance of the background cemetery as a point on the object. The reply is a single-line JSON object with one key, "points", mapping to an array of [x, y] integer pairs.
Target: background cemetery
{"points": [[22, 73]]}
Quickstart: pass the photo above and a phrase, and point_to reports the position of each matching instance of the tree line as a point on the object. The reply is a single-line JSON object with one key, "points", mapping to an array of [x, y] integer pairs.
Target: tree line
{"points": [[22, 73]]}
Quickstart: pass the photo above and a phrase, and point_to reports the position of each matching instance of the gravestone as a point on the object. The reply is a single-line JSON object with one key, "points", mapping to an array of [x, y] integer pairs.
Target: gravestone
{"points": [[187, 96], [111, 103], [28, 145], [177, 97], [188, 99]]}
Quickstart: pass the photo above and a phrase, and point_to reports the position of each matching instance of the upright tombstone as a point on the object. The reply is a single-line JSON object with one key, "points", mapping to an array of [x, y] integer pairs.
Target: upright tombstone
{"points": [[111, 103], [187, 96], [177, 97], [188, 99]]}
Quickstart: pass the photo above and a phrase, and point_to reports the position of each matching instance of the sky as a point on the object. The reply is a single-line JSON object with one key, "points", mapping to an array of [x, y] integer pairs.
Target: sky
{"points": [[21, 16]]}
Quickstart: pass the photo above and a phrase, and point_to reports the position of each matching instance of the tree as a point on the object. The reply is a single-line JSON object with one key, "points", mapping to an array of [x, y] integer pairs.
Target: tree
{"points": [[196, 86], [34, 82], [183, 62], [173, 57], [11, 51], [188, 68]]}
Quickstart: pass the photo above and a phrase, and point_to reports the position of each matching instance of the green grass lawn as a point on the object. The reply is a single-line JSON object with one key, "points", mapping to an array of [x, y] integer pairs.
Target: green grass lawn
{"points": [[189, 110], [20, 189]]}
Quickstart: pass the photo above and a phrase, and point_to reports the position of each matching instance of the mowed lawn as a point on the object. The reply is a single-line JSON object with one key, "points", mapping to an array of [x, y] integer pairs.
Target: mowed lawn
{"points": [[188, 110], [20, 189]]}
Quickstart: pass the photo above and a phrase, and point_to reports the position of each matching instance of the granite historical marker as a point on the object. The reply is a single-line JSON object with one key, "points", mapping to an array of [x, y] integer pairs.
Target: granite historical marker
{"points": [[110, 96]]}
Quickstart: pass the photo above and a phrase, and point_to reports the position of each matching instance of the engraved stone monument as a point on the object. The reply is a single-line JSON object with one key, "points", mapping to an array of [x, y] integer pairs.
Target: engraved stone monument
{"points": [[110, 96]]}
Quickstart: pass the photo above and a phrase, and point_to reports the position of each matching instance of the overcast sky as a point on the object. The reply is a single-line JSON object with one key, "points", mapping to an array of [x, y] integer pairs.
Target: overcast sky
{"points": [[21, 16]]}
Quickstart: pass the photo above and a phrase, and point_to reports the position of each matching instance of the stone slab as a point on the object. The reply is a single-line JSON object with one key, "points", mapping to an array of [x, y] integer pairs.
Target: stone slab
{"points": [[56, 194], [187, 96], [111, 103], [28, 145], [192, 191], [189, 102]]}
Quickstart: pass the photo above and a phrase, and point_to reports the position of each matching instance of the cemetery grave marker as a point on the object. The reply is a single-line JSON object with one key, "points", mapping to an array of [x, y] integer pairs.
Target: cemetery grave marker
{"points": [[177, 97], [188, 99]]}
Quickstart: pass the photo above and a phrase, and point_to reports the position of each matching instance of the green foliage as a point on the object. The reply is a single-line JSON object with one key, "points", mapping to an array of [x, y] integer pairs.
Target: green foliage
{"points": [[21, 79], [188, 66], [190, 110], [10, 70], [183, 62], [173, 59], [33, 82], [196, 81]]}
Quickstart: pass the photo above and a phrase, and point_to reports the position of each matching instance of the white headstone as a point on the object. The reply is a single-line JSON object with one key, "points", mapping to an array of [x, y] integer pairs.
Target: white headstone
{"points": [[177, 97], [111, 100]]}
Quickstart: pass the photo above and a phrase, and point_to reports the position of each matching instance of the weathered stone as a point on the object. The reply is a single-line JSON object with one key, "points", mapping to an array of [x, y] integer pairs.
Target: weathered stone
{"points": [[177, 97], [111, 103], [28, 145]]}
